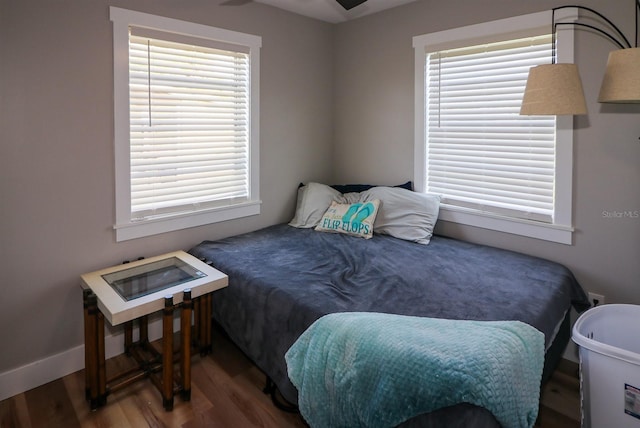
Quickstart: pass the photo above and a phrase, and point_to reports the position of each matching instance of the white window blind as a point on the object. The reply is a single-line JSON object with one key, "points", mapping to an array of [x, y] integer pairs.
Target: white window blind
{"points": [[189, 121], [481, 154]]}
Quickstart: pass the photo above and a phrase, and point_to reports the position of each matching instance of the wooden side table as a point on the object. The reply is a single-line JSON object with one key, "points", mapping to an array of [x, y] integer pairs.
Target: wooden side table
{"points": [[129, 293]]}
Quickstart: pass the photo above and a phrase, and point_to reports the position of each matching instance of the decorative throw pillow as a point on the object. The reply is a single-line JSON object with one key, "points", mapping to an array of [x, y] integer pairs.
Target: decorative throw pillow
{"points": [[404, 214], [313, 201], [353, 219]]}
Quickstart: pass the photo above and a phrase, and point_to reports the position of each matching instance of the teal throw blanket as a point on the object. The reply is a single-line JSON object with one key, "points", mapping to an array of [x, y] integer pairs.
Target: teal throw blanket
{"points": [[358, 369]]}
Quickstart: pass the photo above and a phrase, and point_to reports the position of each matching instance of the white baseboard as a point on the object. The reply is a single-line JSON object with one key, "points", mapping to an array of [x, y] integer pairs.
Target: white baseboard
{"points": [[38, 373]]}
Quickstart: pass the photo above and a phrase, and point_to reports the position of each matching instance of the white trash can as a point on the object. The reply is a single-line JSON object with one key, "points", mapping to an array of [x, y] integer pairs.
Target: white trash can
{"points": [[609, 341]]}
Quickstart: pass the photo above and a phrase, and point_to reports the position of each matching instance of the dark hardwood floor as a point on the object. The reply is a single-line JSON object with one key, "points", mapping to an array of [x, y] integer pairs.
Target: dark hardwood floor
{"points": [[226, 392]]}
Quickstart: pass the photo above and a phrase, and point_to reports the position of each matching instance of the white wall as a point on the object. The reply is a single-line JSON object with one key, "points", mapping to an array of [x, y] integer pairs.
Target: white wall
{"points": [[56, 160]]}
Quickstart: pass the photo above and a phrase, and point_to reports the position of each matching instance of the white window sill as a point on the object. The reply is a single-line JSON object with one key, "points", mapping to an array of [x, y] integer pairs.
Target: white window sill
{"points": [[561, 234], [158, 225]]}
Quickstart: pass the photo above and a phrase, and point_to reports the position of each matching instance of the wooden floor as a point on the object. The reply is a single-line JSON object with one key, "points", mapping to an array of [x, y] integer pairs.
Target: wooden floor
{"points": [[226, 392]]}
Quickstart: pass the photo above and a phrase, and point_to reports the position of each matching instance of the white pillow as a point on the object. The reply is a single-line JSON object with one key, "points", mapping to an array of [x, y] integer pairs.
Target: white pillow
{"points": [[404, 214], [313, 201], [353, 219]]}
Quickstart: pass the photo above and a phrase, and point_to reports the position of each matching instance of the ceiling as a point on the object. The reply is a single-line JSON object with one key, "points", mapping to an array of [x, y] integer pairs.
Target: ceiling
{"points": [[330, 10]]}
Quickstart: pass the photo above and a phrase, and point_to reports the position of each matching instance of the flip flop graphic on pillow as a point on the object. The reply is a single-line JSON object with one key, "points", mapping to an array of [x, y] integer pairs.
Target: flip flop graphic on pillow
{"points": [[353, 219]]}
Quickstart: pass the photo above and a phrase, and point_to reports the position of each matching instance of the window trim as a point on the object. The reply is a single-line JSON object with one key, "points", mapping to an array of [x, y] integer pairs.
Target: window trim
{"points": [[126, 228], [561, 230]]}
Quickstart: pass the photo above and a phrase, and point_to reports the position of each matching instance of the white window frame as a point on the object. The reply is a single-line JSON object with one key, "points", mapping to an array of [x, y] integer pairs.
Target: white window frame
{"points": [[125, 227], [561, 229]]}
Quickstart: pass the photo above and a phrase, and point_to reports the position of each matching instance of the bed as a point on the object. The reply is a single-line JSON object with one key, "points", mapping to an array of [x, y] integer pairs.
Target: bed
{"points": [[283, 278]]}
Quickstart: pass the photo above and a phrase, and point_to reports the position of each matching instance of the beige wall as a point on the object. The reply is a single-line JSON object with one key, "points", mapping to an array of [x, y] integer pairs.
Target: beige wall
{"points": [[56, 160], [374, 132]]}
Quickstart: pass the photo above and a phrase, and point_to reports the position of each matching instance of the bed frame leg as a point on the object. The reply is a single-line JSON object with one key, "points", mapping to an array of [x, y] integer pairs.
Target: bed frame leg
{"points": [[269, 386], [278, 400]]}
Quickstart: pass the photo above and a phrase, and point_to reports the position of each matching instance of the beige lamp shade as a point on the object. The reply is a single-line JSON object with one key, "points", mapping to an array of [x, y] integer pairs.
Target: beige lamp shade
{"points": [[621, 82], [553, 89]]}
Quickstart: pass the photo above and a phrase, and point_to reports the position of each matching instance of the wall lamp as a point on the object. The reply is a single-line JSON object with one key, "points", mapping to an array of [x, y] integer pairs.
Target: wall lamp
{"points": [[556, 89]]}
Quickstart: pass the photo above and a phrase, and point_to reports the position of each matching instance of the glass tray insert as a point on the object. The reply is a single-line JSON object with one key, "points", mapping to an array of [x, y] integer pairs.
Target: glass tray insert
{"points": [[151, 277]]}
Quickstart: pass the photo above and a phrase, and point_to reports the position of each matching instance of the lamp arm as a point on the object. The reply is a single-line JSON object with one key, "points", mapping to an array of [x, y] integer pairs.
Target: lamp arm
{"points": [[604, 33], [607, 20]]}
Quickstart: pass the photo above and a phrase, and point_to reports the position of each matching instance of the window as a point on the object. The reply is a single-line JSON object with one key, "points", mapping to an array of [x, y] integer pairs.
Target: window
{"points": [[186, 124], [481, 154], [494, 168]]}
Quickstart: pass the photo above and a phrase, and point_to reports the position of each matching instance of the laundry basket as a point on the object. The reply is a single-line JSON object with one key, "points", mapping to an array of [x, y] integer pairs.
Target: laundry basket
{"points": [[609, 341]]}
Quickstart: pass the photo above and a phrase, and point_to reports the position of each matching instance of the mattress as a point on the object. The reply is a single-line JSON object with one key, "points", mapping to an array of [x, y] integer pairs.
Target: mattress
{"points": [[281, 279]]}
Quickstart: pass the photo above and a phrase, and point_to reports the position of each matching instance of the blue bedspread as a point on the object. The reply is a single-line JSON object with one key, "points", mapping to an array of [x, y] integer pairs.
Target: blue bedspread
{"points": [[282, 279], [357, 369]]}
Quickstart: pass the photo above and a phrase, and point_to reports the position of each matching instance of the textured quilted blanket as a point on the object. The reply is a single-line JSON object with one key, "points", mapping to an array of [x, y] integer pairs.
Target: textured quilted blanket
{"points": [[358, 369]]}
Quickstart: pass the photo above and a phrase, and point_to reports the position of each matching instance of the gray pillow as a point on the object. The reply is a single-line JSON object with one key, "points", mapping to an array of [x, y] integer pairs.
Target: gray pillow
{"points": [[404, 214], [313, 201]]}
